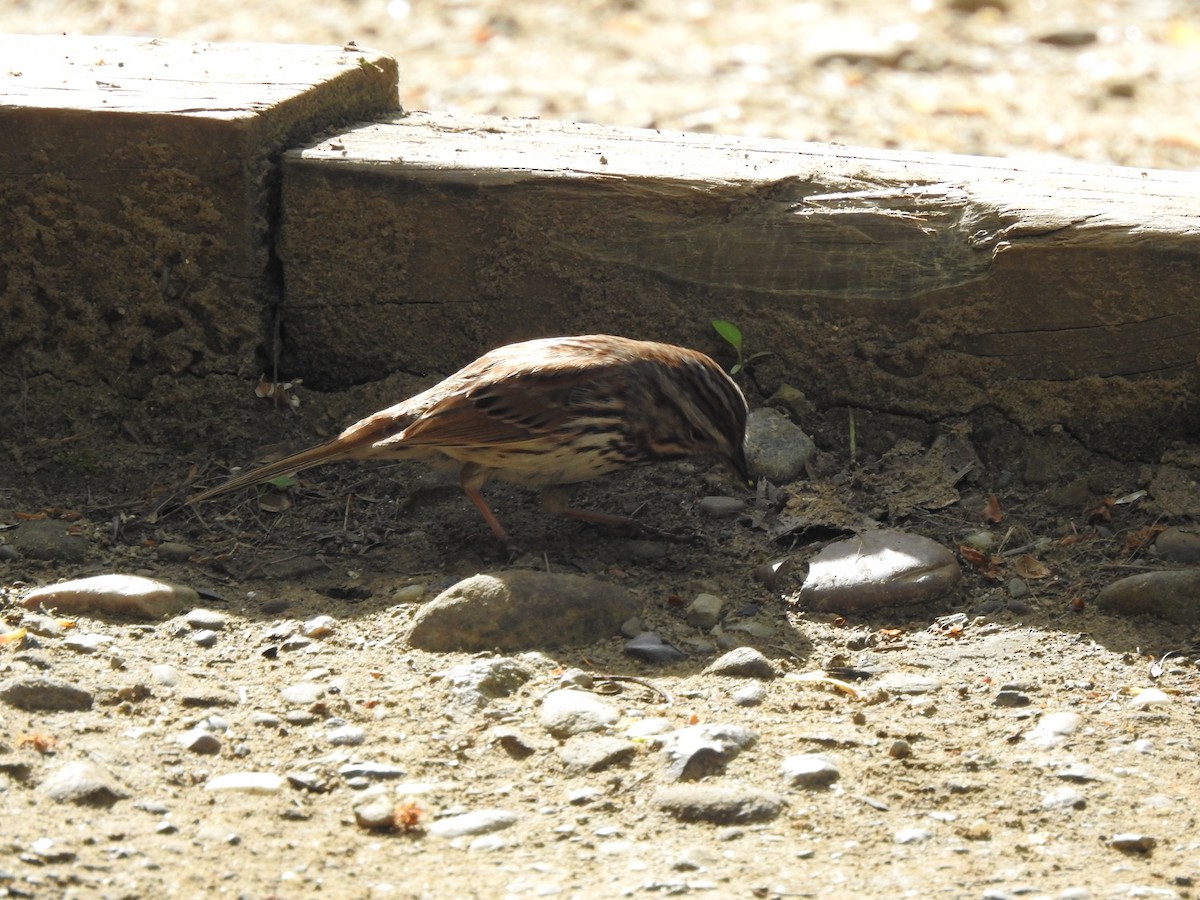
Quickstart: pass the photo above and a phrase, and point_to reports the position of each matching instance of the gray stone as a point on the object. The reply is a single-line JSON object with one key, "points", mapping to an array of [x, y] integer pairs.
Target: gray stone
{"points": [[480, 821], [346, 736], [718, 805], [908, 683], [303, 693], [167, 676], [477, 683], [776, 448], [1133, 843], [912, 836], [518, 610], [204, 638], [742, 662], [172, 551], [751, 694], [569, 712], [200, 741], [1053, 729], [370, 770], [1180, 544], [720, 507], [201, 618], [700, 751], [84, 783], [375, 808], [809, 770], [704, 611], [1172, 595], [40, 693], [86, 643], [48, 539], [651, 648], [585, 753], [876, 569]]}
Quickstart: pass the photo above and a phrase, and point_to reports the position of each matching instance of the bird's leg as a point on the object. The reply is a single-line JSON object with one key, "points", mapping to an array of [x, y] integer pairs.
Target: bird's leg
{"points": [[472, 478]]}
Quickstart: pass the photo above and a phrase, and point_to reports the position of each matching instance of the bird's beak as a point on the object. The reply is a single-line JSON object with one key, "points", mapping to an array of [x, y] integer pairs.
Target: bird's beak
{"points": [[737, 464]]}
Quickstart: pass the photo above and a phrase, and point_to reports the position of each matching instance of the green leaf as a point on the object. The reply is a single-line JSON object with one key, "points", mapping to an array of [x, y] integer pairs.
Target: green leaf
{"points": [[282, 483], [730, 332]]}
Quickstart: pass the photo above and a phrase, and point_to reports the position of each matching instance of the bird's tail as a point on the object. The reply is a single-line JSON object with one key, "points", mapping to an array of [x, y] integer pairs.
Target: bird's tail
{"points": [[289, 465]]}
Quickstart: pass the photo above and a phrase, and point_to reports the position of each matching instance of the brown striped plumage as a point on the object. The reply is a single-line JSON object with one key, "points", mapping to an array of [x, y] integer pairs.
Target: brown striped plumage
{"points": [[546, 413]]}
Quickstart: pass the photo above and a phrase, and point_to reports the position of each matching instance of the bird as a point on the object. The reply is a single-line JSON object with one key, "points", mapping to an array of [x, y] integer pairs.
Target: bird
{"points": [[547, 413]]}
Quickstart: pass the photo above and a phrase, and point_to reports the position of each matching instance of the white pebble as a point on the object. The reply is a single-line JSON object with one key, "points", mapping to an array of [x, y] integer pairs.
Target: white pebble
{"points": [[247, 783]]}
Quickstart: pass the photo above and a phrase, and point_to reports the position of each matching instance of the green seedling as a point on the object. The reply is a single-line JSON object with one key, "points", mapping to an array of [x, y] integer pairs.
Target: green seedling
{"points": [[282, 483], [733, 336]]}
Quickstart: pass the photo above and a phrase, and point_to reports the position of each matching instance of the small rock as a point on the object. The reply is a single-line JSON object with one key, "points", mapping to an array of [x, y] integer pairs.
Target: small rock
{"points": [[247, 783], [410, 593], [130, 595], [720, 507], [1053, 729], [304, 693], [704, 611], [477, 683], [204, 638], [1069, 37], [809, 770], [879, 568], [200, 741], [718, 805], [1064, 798], [584, 753], [1149, 697], [900, 749], [165, 675], [1180, 544], [86, 643], [205, 619], [776, 448], [39, 693], [912, 836], [346, 736], [908, 683], [371, 771], [742, 662], [1011, 699], [48, 850], [84, 783], [569, 712], [318, 627], [651, 648], [514, 743], [172, 551], [481, 821], [751, 694], [700, 751], [774, 572], [1171, 595], [1133, 843], [49, 539], [576, 678], [521, 609], [374, 808]]}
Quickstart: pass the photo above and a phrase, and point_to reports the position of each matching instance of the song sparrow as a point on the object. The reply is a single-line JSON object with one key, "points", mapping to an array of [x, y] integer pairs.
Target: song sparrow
{"points": [[548, 413]]}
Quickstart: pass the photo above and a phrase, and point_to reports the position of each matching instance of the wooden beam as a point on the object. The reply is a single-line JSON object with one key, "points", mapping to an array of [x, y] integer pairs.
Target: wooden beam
{"points": [[920, 284], [139, 189]]}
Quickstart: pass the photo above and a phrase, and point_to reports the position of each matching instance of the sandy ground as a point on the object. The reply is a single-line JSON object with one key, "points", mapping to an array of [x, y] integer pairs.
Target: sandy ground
{"points": [[1001, 743]]}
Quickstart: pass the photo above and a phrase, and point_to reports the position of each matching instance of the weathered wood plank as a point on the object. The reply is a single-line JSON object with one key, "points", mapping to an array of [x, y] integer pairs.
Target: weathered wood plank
{"points": [[139, 189], [915, 283]]}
